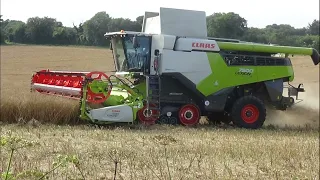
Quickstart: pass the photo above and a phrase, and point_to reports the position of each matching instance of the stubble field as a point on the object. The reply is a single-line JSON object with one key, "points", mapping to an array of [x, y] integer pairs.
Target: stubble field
{"points": [[157, 152]]}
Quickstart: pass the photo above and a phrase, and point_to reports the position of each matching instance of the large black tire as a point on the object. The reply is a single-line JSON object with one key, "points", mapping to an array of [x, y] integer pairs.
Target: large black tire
{"points": [[248, 112]]}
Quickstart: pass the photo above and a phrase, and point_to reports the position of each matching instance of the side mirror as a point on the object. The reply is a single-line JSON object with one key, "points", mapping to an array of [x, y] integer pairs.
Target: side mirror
{"points": [[135, 42], [156, 52]]}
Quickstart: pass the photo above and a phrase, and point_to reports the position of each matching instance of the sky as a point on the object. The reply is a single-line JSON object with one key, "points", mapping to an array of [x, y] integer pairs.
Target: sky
{"points": [[257, 13]]}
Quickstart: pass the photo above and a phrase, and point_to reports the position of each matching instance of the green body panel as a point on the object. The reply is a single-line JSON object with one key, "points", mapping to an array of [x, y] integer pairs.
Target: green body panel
{"points": [[141, 88], [98, 87], [264, 48], [224, 76], [266, 73], [120, 94], [114, 100]]}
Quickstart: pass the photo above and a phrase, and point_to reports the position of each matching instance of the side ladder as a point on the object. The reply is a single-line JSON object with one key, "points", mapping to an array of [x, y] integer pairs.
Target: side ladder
{"points": [[153, 83]]}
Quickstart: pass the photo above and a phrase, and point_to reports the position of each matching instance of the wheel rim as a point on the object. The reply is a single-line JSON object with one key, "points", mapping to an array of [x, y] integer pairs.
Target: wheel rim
{"points": [[173, 120], [189, 115], [146, 117], [250, 113], [163, 120]]}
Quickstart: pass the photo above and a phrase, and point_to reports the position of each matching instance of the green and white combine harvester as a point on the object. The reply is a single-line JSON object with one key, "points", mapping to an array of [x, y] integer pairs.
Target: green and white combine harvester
{"points": [[171, 72]]}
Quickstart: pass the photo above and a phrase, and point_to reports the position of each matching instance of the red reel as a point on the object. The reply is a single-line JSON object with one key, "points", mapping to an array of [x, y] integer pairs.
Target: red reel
{"points": [[60, 80], [98, 97], [38, 78]]}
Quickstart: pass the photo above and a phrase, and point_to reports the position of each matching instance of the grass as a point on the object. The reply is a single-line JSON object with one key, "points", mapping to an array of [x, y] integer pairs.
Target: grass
{"points": [[18, 63], [164, 152], [156, 152], [37, 107]]}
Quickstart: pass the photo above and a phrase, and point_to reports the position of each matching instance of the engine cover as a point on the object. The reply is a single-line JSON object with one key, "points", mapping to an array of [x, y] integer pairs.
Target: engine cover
{"points": [[119, 113]]}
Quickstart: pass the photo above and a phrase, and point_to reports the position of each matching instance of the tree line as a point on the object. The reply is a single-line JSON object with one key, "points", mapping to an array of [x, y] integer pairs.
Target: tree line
{"points": [[47, 30]]}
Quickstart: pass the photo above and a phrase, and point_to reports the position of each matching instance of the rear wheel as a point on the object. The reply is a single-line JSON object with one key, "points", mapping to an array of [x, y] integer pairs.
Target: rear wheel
{"points": [[248, 112], [189, 115]]}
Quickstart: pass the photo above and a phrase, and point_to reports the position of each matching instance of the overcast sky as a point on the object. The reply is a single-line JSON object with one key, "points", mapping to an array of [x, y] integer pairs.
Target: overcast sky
{"points": [[258, 13]]}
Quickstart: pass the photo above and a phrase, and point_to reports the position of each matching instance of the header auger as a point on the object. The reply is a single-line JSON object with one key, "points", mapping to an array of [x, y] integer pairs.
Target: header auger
{"points": [[176, 74]]}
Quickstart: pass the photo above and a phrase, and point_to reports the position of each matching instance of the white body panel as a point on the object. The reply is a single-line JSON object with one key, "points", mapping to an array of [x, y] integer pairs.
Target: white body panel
{"points": [[180, 22], [194, 65], [57, 89], [120, 113], [160, 42], [163, 41], [147, 15], [74, 72], [152, 25], [177, 22]]}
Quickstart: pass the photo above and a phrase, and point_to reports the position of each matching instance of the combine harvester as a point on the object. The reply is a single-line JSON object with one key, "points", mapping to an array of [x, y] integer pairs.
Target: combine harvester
{"points": [[171, 72]]}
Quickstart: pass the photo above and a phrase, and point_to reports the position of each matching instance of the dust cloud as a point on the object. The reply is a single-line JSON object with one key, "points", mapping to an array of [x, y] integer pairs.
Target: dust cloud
{"points": [[302, 114]]}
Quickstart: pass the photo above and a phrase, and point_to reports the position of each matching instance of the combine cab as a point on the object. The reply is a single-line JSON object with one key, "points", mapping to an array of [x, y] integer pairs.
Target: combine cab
{"points": [[172, 73]]}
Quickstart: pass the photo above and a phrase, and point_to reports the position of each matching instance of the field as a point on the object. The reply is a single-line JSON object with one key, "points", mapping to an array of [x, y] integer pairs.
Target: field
{"points": [[286, 148]]}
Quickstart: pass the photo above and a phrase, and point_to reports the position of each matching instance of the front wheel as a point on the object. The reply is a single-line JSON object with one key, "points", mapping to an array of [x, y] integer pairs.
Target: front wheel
{"points": [[248, 112]]}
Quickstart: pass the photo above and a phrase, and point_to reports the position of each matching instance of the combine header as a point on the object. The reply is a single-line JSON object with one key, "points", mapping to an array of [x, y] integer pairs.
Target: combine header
{"points": [[172, 73]]}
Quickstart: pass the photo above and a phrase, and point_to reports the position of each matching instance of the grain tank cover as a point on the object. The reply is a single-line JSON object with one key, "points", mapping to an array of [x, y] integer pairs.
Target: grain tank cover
{"points": [[177, 22]]}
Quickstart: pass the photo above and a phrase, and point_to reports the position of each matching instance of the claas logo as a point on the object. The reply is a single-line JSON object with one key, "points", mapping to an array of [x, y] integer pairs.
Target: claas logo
{"points": [[203, 45]]}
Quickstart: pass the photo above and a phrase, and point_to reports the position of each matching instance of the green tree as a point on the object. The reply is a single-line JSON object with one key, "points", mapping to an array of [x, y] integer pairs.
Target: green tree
{"points": [[300, 31], [15, 31], [80, 37], [118, 24], [255, 35], [64, 35], [2, 35], [40, 30], [313, 28], [282, 34], [139, 20], [96, 27], [3, 24], [316, 43], [226, 25]]}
